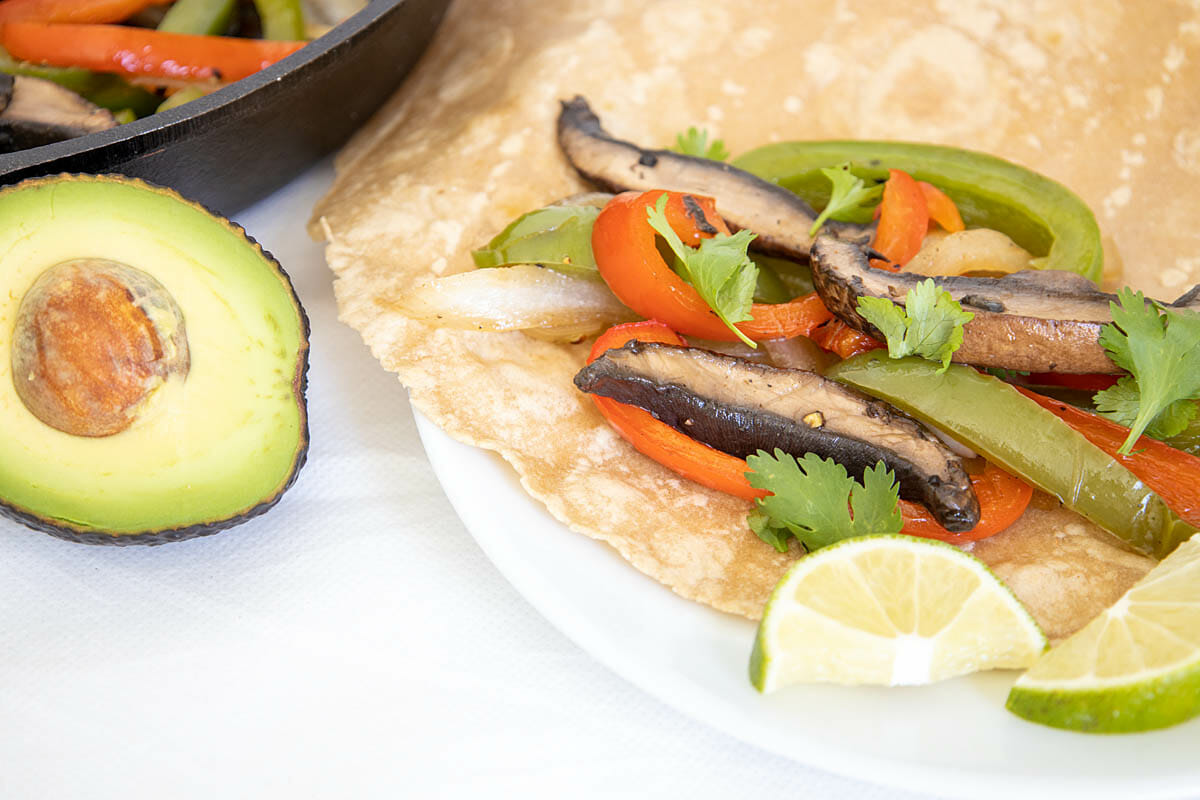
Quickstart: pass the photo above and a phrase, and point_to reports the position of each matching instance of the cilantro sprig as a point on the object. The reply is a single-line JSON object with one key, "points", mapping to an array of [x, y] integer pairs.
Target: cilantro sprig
{"points": [[1161, 352], [720, 270], [815, 500], [695, 143], [849, 194], [930, 325]]}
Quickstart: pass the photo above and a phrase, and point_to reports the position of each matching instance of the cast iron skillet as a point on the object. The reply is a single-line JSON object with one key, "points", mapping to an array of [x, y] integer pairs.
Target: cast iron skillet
{"points": [[240, 143]]}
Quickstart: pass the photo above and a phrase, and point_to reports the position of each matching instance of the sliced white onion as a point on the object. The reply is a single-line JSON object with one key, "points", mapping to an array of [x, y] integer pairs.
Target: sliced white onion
{"points": [[955, 446], [799, 352], [539, 301], [979, 250]]}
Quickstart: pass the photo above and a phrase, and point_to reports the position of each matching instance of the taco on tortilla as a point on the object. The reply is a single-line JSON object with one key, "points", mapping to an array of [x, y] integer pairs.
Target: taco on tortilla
{"points": [[472, 142]]}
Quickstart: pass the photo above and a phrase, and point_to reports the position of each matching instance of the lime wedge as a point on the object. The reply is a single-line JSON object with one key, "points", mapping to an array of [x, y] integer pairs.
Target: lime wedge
{"points": [[1135, 667], [889, 610]]}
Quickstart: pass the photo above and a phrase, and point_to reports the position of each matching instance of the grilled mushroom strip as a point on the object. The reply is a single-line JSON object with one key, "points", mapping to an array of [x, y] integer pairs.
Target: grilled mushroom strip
{"points": [[779, 218], [1036, 321], [741, 407], [35, 112]]}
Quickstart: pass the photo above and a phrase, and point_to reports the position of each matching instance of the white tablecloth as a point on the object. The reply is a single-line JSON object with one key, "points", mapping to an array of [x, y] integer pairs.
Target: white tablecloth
{"points": [[354, 642]]}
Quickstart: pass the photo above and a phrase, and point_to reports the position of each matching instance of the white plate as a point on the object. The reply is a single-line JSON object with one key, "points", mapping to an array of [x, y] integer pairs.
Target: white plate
{"points": [[954, 738]]}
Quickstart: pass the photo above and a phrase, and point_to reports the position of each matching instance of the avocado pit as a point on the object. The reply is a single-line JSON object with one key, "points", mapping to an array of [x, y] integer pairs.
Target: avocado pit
{"points": [[94, 339]]}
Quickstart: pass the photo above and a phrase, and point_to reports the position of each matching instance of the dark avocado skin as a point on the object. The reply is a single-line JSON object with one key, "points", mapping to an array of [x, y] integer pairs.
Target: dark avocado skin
{"points": [[64, 530]]}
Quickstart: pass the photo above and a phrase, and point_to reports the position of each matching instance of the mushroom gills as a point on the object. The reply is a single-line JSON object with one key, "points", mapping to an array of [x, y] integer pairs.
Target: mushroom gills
{"points": [[34, 112], [1035, 321], [780, 219], [740, 407]]}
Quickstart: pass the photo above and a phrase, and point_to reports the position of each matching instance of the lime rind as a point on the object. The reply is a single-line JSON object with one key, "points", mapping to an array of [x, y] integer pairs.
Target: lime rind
{"points": [[1063, 691], [765, 679], [1140, 706]]}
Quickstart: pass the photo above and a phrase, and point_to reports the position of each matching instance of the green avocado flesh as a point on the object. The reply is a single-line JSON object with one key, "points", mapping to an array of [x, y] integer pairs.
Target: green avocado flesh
{"points": [[207, 449]]}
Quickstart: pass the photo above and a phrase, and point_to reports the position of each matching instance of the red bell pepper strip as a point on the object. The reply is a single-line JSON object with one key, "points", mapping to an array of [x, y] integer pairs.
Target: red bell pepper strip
{"points": [[941, 208], [629, 262], [903, 220], [677, 451], [1173, 474], [82, 11], [839, 338], [1002, 501], [1089, 383], [142, 53]]}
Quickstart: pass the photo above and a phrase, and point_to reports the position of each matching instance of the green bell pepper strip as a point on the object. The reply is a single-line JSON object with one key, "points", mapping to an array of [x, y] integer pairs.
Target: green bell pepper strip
{"points": [[780, 280], [997, 421], [1043, 216], [282, 20], [557, 237], [106, 91], [201, 17], [185, 95], [560, 238], [1189, 440]]}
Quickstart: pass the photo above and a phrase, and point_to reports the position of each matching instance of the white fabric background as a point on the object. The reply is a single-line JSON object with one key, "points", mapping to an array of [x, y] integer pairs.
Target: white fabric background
{"points": [[354, 642]]}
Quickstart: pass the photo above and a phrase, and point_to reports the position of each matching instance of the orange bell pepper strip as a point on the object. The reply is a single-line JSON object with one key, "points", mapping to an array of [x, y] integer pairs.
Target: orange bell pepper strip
{"points": [[624, 246], [140, 52], [903, 220], [1173, 474], [941, 208], [1002, 500], [81, 11], [677, 451]]}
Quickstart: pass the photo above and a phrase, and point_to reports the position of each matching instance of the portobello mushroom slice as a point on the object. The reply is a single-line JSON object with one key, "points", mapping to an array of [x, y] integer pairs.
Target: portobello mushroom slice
{"points": [[780, 219], [740, 407], [34, 112], [1035, 321]]}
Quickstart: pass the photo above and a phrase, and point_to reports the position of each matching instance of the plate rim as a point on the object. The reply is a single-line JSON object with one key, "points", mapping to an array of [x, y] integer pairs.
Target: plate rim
{"points": [[697, 702]]}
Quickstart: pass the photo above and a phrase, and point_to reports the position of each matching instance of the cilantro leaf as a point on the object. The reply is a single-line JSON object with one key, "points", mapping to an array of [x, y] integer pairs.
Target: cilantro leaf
{"points": [[930, 325], [1161, 352], [695, 143], [766, 529], [849, 193], [719, 270], [813, 498], [1006, 374]]}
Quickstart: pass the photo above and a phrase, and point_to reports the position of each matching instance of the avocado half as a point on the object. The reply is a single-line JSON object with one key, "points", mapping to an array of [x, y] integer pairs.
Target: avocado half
{"points": [[153, 361]]}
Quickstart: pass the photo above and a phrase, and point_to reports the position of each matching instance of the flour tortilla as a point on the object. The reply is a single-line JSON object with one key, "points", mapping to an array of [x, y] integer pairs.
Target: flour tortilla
{"points": [[1102, 95]]}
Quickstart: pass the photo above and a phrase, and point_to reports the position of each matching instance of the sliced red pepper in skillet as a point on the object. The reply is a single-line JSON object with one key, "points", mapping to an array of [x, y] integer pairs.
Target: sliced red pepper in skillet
{"points": [[624, 247], [73, 10], [142, 53]]}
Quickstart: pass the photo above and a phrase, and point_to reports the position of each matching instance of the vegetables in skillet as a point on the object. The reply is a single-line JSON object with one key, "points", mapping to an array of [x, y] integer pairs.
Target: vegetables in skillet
{"points": [[134, 70]]}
